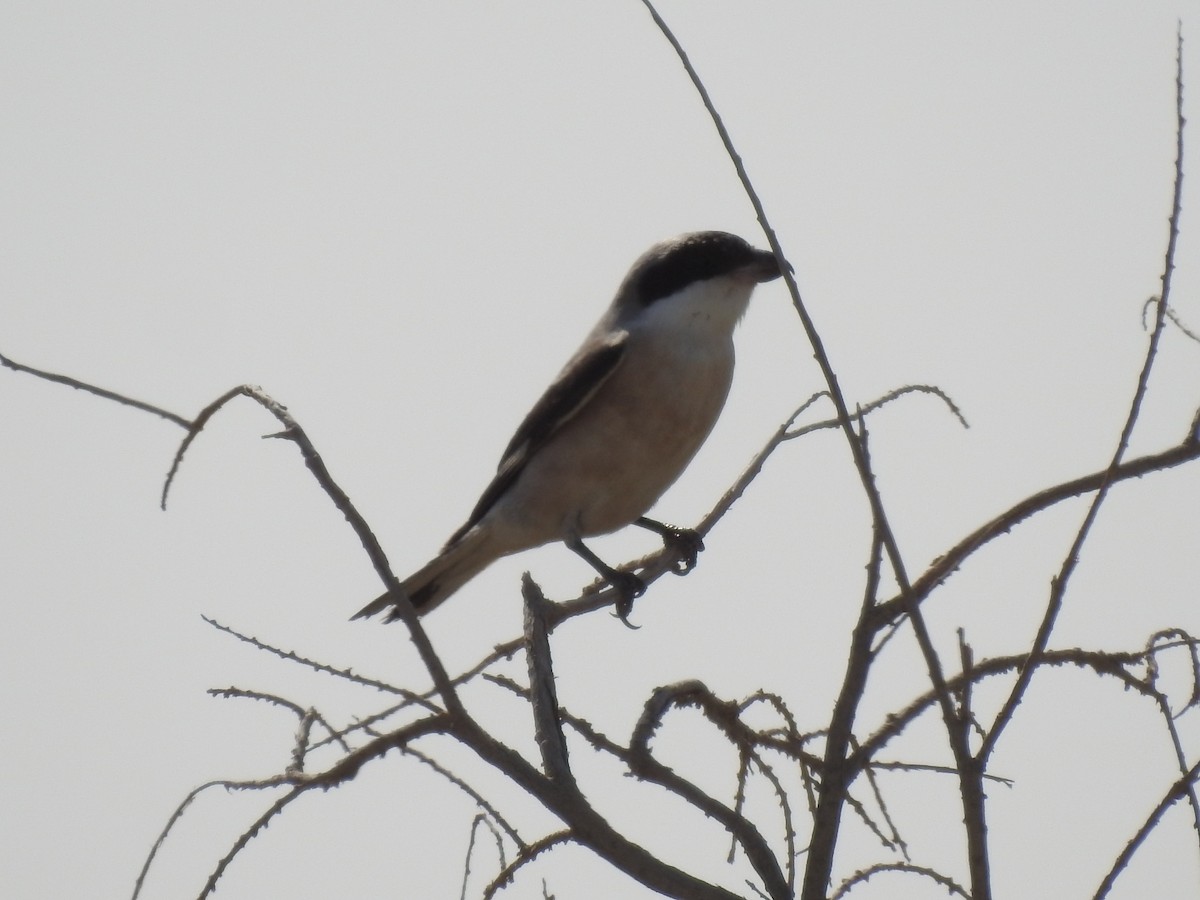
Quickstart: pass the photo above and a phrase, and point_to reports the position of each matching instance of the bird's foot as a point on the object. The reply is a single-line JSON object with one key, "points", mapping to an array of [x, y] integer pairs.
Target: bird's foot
{"points": [[684, 543], [628, 588]]}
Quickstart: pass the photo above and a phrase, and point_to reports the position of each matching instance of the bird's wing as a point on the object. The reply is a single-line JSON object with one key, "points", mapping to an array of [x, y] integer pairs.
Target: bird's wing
{"points": [[565, 397]]}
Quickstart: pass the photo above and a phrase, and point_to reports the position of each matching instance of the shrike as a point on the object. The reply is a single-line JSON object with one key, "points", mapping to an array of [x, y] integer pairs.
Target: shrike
{"points": [[619, 423]]}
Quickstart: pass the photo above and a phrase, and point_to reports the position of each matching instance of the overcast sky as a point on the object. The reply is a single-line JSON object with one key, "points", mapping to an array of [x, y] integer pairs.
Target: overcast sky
{"points": [[399, 218]]}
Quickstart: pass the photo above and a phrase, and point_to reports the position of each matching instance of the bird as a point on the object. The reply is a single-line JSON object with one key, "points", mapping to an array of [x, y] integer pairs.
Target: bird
{"points": [[617, 426]]}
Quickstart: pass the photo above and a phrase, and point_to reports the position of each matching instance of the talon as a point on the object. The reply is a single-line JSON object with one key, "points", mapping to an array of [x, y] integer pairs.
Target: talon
{"points": [[683, 543], [628, 587], [686, 544]]}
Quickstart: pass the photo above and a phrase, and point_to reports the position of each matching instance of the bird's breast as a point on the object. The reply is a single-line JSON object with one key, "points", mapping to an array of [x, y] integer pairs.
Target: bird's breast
{"points": [[612, 461]]}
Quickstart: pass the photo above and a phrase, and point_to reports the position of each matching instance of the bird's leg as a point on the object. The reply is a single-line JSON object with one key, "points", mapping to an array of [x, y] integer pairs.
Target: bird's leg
{"points": [[627, 585], [684, 543]]}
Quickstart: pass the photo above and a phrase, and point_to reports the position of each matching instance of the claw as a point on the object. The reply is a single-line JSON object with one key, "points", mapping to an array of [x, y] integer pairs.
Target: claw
{"points": [[628, 587], [684, 543]]}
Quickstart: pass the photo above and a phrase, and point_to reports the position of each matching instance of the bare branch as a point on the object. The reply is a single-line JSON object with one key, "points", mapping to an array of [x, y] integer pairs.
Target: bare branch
{"points": [[307, 717], [1180, 789], [347, 674], [895, 838], [654, 565], [528, 855], [245, 837], [643, 764], [949, 562], [817, 874], [1177, 636], [1059, 584], [1102, 663], [480, 819], [488, 808], [586, 825], [906, 868], [293, 432], [542, 696], [174, 817], [343, 770], [785, 809], [106, 394]]}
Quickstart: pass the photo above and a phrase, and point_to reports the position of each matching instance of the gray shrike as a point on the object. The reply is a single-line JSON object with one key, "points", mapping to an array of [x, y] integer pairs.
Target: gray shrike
{"points": [[619, 423]]}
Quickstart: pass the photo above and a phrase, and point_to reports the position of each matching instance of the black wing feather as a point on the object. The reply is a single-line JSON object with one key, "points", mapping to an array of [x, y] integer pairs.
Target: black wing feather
{"points": [[582, 377]]}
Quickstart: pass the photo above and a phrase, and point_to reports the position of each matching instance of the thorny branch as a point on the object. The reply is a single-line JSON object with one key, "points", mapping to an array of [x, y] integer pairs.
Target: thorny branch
{"points": [[1058, 585], [830, 778]]}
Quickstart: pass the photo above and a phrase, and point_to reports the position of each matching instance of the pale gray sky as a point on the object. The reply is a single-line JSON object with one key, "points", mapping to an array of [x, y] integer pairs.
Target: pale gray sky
{"points": [[399, 218]]}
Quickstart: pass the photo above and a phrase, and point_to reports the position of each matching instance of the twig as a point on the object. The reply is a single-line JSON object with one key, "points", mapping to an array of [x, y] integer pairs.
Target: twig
{"points": [[480, 801], [1059, 583], [653, 565], [1103, 663], [480, 819], [949, 562], [340, 772], [1180, 789], [906, 868], [312, 459], [643, 764], [348, 675], [175, 816], [542, 696], [174, 418], [528, 855]]}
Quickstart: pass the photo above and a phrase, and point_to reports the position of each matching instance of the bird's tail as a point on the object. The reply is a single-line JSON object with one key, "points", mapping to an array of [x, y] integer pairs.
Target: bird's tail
{"points": [[458, 563]]}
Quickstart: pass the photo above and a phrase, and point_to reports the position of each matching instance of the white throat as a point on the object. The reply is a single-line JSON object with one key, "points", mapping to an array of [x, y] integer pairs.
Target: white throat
{"points": [[705, 310]]}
